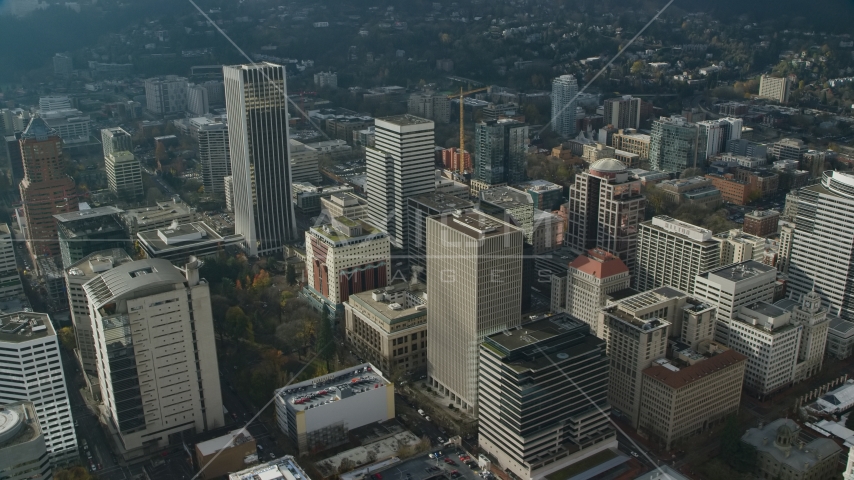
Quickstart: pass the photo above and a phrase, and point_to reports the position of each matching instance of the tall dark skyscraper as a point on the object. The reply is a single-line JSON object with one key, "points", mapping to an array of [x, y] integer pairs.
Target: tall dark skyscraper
{"points": [[500, 149], [257, 105]]}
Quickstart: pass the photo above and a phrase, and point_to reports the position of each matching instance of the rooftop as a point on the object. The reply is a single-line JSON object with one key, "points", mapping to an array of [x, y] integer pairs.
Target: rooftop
{"points": [[740, 271], [183, 236], [506, 197], [405, 120], [285, 468], [38, 130], [535, 332], [18, 424], [98, 262], [692, 373], [650, 298], [539, 185], [87, 213], [798, 459], [672, 225], [762, 214], [608, 165], [397, 302], [475, 224], [599, 263], [132, 276], [25, 326], [334, 387], [364, 231], [442, 202], [230, 439]]}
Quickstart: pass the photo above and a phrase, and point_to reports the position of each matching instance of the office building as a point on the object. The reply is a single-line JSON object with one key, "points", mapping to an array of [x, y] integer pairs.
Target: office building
{"points": [[388, 326], [730, 287], [31, 349], [345, 204], [70, 124], [744, 147], [736, 246], [214, 154], [10, 279], [597, 151], [564, 103], [156, 356], [318, 414], [307, 197], [718, 134], [430, 106], [345, 257], [115, 139], [605, 208], [675, 144], [590, 279], [54, 102], [326, 79], [400, 166], [304, 162], [782, 454], [546, 195], [257, 106], [76, 276], [821, 256], [623, 112], [542, 434], [673, 253], [23, 452], [124, 175], [690, 394], [788, 149], [691, 190], [179, 242], [813, 320], [776, 89], [421, 208], [160, 216], [90, 230], [284, 468], [474, 290], [166, 95], [761, 223], [45, 190], [197, 100], [63, 66], [732, 190], [635, 340], [510, 205], [228, 189], [549, 232], [630, 141], [231, 452], [500, 150]]}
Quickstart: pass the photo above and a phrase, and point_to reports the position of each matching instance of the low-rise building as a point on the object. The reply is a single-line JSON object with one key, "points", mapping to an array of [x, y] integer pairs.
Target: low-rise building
{"points": [[388, 326], [788, 149], [546, 195], [228, 453], [160, 216], [306, 197], [738, 246], [628, 140], [761, 223], [284, 468], [782, 454], [764, 183], [23, 452], [693, 190], [732, 190], [344, 204], [317, 414], [178, 242], [840, 338]]}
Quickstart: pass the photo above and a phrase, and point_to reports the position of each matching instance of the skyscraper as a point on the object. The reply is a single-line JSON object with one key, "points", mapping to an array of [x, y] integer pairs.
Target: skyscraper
{"points": [[212, 136], [115, 140], [10, 279], [822, 251], [155, 351], [589, 280], [32, 372], [257, 106], [623, 112], [564, 91], [605, 207], [124, 175], [475, 285], [500, 149], [45, 190], [675, 144], [421, 208], [672, 252], [400, 165]]}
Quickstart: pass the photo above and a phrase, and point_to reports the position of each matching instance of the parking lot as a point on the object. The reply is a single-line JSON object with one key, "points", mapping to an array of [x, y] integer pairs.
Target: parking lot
{"points": [[422, 467]]}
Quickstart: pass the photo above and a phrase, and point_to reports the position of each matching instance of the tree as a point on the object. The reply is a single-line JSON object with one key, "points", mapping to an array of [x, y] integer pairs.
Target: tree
{"points": [[72, 473], [66, 338], [849, 421], [637, 67], [739, 455], [290, 275], [237, 324], [325, 343]]}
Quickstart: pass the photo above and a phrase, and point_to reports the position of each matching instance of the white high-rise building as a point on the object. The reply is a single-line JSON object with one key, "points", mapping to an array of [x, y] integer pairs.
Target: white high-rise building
{"points": [[228, 187], [737, 246], [115, 140], [197, 100], [672, 252], [32, 372], [156, 354], [822, 249], [166, 95], [124, 175], [54, 102], [212, 134], [257, 105], [729, 287], [774, 88], [10, 279], [400, 165], [564, 102], [718, 133], [475, 283]]}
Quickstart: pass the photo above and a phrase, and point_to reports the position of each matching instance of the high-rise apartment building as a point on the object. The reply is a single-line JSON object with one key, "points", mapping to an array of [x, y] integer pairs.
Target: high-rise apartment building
{"points": [[773, 88], [729, 287], [115, 139], [45, 190], [821, 250], [590, 279], [475, 290], [623, 112], [400, 166], [166, 95], [737, 246], [544, 433], [420, 209], [124, 175], [605, 208], [257, 106], [90, 230], [501, 147], [675, 144], [32, 372], [10, 279], [23, 452], [344, 257], [564, 102], [430, 106], [197, 100], [718, 134], [326, 79], [214, 154], [304, 162], [672, 252], [156, 354]]}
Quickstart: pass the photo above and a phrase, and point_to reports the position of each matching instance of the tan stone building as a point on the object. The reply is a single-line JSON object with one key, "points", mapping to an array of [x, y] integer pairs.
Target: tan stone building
{"points": [[684, 397], [782, 455], [630, 141], [388, 326]]}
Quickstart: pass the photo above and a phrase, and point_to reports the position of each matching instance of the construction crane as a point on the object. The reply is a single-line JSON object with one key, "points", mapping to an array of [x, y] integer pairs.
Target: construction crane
{"points": [[462, 150]]}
